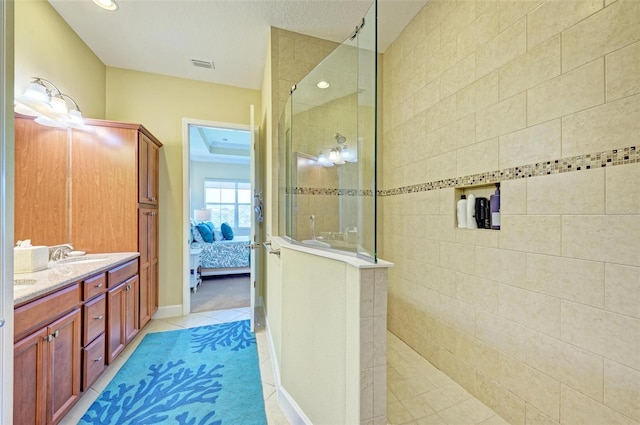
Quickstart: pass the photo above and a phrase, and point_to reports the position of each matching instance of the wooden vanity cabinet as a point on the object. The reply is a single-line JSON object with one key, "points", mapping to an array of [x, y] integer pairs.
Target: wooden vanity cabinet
{"points": [[47, 357], [94, 326]]}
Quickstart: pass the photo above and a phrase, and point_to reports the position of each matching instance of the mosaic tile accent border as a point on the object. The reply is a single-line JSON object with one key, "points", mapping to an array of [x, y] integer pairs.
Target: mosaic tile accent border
{"points": [[629, 155]]}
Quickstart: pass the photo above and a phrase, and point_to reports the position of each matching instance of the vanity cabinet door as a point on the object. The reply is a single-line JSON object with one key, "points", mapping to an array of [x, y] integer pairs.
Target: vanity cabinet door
{"points": [[64, 361], [148, 157], [122, 316], [148, 245], [29, 383]]}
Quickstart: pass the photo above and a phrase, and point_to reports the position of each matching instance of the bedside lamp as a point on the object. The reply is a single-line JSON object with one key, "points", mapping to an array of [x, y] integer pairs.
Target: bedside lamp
{"points": [[202, 215]]}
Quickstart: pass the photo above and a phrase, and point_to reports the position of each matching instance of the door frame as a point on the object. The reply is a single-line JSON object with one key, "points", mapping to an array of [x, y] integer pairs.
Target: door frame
{"points": [[186, 197], [6, 209]]}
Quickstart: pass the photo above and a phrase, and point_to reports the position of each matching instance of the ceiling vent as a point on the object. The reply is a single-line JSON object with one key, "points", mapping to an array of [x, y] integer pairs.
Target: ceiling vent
{"points": [[203, 64]]}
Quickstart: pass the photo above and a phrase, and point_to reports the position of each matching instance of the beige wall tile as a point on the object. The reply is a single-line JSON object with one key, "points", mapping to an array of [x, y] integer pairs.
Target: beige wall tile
{"points": [[504, 402], [530, 309], [530, 69], [554, 16], [567, 193], [458, 76], [622, 289], [501, 265], [538, 143], [476, 290], [458, 134], [444, 59], [510, 11], [503, 334], [536, 417], [440, 114], [610, 239], [574, 91], [427, 96], [480, 237], [609, 126], [506, 46], [578, 409], [613, 27], [531, 385], [441, 166], [614, 336], [574, 280], [513, 196], [479, 95], [478, 158], [460, 17], [567, 363], [457, 257], [475, 352], [446, 200], [502, 118], [622, 389], [367, 284], [531, 233], [479, 32], [622, 72], [623, 191]]}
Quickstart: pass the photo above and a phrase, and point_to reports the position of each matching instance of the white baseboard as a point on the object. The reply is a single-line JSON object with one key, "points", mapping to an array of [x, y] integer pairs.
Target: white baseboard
{"points": [[287, 404], [168, 311]]}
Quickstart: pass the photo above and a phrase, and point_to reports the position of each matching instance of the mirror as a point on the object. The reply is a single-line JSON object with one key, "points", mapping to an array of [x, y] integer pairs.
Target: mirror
{"points": [[42, 189]]}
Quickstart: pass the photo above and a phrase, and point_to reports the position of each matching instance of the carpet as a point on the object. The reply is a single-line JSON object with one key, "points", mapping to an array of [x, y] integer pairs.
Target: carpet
{"points": [[200, 376], [222, 293]]}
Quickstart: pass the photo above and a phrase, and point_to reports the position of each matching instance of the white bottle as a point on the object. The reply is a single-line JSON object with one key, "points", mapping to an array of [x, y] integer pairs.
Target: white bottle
{"points": [[471, 212], [462, 212]]}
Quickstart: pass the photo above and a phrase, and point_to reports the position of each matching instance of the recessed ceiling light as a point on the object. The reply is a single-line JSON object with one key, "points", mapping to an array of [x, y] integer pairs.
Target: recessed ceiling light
{"points": [[110, 5], [323, 84]]}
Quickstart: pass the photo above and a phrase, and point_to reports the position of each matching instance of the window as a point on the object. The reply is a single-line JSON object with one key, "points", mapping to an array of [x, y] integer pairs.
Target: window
{"points": [[229, 201]]}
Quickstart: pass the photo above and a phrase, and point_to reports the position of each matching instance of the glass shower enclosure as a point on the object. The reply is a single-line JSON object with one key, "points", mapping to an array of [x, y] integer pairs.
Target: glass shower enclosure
{"points": [[329, 133]]}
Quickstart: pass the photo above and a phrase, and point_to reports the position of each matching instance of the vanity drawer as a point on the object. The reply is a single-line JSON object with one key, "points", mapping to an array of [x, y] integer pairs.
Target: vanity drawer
{"points": [[95, 285], [93, 362], [36, 314], [122, 273], [94, 313]]}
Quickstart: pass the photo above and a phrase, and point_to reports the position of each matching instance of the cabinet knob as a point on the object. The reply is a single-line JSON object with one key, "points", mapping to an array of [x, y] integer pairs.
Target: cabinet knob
{"points": [[56, 334], [99, 285], [152, 199], [99, 317], [98, 359]]}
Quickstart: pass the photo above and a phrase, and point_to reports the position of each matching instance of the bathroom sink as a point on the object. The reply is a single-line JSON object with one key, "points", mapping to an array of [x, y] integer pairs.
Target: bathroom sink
{"points": [[315, 242], [24, 281], [80, 260]]}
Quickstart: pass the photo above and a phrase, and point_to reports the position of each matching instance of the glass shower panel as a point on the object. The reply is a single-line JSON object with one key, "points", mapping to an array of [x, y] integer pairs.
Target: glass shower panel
{"points": [[330, 138], [367, 125]]}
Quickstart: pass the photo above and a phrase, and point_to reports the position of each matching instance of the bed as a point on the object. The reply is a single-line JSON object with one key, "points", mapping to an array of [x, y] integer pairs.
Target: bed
{"points": [[224, 257]]}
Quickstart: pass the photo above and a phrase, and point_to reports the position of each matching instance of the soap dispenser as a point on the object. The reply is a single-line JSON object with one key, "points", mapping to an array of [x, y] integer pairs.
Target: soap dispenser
{"points": [[494, 205]]}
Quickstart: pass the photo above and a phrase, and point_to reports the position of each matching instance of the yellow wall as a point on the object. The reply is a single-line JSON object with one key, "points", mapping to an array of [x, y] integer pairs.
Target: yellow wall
{"points": [[160, 103], [46, 47], [540, 319]]}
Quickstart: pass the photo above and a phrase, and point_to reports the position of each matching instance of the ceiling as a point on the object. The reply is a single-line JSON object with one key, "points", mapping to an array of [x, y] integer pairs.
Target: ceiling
{"points": [[162, 36], [221, 145]]}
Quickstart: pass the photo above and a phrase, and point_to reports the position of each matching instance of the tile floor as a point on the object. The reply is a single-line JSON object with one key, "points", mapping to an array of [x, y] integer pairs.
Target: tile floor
{"points": [[417, 392]]}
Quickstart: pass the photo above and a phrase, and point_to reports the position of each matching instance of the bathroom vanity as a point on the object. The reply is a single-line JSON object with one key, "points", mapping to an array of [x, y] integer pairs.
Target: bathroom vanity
{"points": [[71, 321]]}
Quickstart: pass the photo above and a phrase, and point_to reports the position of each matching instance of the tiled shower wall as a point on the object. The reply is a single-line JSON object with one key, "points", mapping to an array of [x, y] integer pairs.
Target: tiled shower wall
{"points": [[541, 319]]}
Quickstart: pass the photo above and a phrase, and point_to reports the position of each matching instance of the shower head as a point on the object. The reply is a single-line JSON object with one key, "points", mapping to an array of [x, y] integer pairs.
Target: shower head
{"points": [[340, 138]]}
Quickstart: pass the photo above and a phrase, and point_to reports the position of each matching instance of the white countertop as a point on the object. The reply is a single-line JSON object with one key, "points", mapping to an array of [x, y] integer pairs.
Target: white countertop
{"points": [[61, 274]]}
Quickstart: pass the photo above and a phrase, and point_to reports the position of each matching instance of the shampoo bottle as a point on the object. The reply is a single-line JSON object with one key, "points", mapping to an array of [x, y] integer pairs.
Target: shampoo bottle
{"points": [[471, 212], [462, 212], [495, 208]]}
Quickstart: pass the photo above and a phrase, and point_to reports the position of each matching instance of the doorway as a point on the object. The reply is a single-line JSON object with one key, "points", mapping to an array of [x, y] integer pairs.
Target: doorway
{"points": [[220, 194]]}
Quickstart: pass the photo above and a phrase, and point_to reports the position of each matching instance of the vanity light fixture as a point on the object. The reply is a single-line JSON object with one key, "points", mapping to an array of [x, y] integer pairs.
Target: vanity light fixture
{"points": [[109, 5], [44, 100], [322, 84]]}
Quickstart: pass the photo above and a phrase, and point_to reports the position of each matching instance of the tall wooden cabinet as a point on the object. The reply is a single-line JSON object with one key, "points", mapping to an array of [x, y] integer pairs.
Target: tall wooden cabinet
{"points": [[116, 165]]}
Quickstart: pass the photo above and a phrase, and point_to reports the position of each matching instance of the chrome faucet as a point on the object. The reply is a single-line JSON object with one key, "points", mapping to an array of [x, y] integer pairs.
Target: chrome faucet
{"points": [[59, 252]]}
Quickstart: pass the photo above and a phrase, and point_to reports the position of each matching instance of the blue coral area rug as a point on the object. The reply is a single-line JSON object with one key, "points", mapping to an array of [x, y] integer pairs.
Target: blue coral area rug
{"points": [[201, 376]]}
